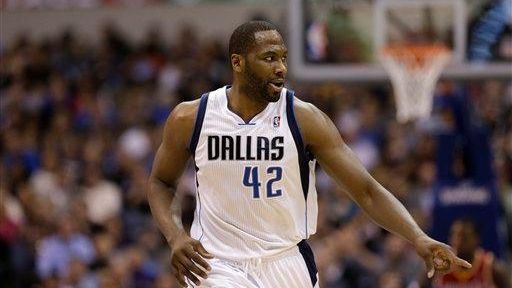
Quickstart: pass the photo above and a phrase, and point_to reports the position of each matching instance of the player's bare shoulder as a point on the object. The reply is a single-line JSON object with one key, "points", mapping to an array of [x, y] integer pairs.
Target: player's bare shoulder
{"points": [[185, 112], [312, 121], [180, 122]]}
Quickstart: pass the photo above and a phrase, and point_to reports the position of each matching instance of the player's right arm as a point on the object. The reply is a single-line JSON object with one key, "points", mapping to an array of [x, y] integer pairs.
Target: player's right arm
{"points": [[170, 161], [322, 138]]}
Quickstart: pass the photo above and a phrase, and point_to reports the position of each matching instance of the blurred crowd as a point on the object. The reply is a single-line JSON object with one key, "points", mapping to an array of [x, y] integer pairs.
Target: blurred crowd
{"points": [[95, 4], [80, 123]]}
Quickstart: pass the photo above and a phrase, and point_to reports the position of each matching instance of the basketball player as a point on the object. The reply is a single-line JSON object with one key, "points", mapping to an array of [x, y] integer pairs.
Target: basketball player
{"points": [[254, 146], [486, 272]]}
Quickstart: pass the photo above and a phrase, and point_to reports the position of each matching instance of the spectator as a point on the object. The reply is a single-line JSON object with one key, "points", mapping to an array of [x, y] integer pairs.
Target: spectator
{"points": [[58, 251], [486, 271]]}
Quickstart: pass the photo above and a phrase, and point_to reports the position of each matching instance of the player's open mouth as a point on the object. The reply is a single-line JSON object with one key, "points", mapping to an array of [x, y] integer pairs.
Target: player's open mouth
{"points": [[278, 85]]}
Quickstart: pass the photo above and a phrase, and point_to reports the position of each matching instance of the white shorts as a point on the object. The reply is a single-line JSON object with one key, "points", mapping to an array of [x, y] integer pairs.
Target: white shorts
{"points": [[294, 268]]}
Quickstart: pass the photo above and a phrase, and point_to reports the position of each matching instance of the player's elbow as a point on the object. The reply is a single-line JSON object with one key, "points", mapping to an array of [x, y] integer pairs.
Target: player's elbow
{"points": [[366, 196], [150, 189], [156, 187], [375, 196]]}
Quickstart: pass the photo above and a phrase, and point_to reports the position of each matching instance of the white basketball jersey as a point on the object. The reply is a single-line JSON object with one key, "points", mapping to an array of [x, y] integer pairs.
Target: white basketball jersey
{"points": [[256, 193]]}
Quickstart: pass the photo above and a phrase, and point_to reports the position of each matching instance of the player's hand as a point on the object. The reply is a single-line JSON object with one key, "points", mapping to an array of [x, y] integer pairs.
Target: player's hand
{"points": [[188, 258], [438, 256]]}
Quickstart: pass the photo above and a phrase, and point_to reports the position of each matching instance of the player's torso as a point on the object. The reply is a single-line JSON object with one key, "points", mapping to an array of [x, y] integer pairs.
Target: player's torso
{"points": [[250, 191]]}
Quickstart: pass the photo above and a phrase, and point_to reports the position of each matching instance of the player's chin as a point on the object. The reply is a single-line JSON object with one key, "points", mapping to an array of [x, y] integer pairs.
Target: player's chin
{"points": [[274, 92]]}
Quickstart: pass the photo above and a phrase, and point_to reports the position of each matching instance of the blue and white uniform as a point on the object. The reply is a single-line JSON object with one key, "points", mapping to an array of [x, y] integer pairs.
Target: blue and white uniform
{"points": [[256, 196]]}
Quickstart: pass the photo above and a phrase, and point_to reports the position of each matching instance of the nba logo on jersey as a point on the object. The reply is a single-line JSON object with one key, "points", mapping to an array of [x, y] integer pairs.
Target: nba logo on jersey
{"points": [[276, 122]]}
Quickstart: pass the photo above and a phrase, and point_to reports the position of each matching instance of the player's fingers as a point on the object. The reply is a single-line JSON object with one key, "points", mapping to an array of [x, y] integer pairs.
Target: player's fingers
{"points": [[430, 266], [179, 275], [192, 267], [444, 258], [190, 276], [199, 260], [442, 264], [198, 247], [461, 263]]}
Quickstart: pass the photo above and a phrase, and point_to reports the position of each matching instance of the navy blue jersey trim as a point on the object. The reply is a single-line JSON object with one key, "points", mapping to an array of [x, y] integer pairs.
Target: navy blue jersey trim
{"points": [[199, 203], [299, 143], [309, 258], [198, 124]]}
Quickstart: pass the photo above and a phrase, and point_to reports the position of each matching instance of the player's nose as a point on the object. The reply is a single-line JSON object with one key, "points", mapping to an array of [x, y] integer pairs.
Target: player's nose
{"points": [[281, 69]]}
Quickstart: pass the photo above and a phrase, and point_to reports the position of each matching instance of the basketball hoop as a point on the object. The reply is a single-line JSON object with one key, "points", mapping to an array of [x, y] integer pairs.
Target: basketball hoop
{"points": [[414, 71]]}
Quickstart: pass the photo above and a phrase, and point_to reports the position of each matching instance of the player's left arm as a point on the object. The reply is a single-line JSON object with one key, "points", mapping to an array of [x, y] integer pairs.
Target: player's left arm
{"points": [[322, 138]]}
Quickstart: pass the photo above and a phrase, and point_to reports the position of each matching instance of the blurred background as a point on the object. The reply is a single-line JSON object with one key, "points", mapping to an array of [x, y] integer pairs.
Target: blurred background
{"points": [[86, 86]]}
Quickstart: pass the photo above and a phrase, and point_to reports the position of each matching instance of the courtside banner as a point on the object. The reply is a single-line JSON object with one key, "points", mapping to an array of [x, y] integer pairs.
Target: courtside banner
{"points": [[466, 200], [474, 194]]}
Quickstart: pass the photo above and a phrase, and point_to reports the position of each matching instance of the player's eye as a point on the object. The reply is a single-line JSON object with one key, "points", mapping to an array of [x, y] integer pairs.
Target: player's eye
{"points": [[268, 58]]}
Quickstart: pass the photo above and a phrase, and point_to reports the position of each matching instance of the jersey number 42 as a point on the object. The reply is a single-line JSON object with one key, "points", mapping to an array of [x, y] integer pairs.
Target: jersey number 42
{"points": [[251, 179]]}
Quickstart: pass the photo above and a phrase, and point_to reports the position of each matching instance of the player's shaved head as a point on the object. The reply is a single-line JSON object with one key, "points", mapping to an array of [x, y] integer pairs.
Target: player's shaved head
{"points": [[243, 38]]}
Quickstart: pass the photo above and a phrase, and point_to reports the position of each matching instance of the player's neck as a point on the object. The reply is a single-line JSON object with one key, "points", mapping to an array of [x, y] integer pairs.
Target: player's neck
{"points": [[245, 106]]}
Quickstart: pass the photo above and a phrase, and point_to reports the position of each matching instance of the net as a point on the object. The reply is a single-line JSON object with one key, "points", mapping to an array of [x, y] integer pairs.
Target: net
{"points": [[414, 71]]}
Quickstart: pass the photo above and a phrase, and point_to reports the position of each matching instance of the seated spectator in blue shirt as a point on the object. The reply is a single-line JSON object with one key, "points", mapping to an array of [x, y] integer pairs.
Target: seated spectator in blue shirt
{"points": [[57, 251]]}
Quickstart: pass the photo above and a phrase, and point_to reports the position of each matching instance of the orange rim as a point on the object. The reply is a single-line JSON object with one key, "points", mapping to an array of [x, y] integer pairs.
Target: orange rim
{"points": [[415, 55]]}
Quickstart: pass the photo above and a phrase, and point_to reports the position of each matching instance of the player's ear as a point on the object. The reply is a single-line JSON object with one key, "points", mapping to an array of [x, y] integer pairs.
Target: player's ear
{"points": [[237, 62]]}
